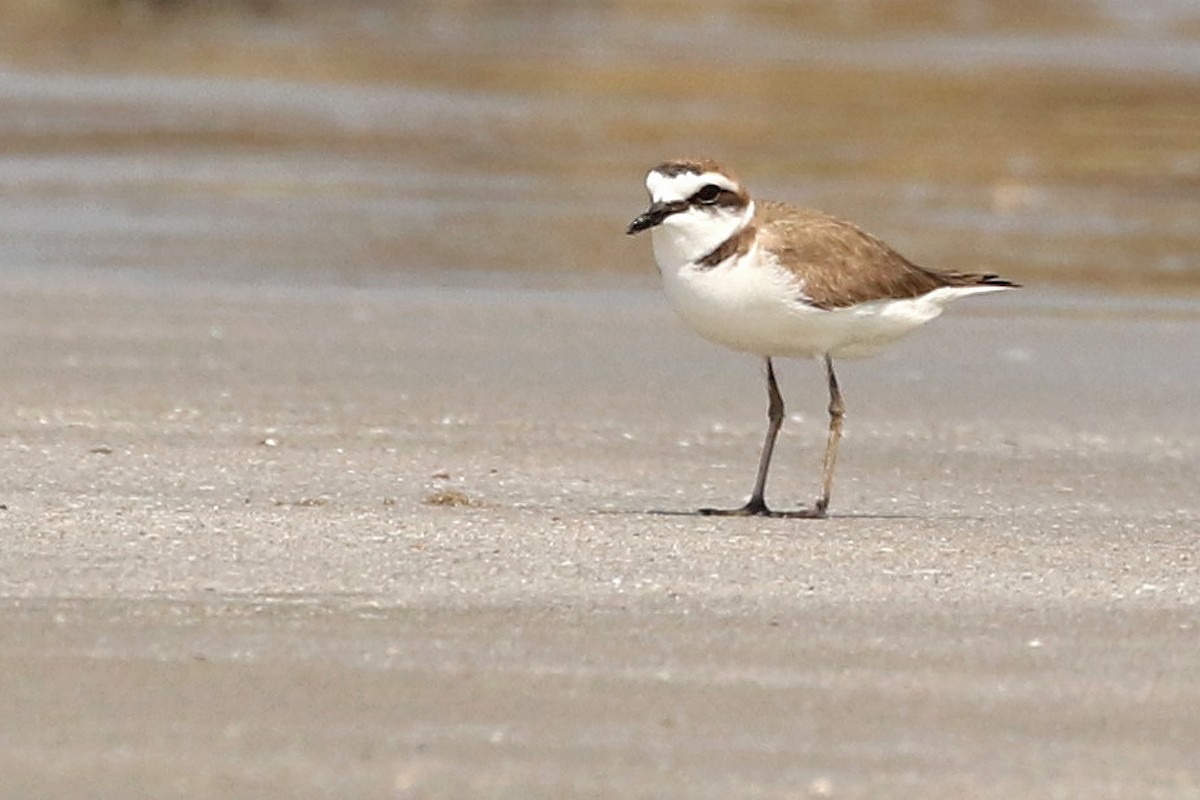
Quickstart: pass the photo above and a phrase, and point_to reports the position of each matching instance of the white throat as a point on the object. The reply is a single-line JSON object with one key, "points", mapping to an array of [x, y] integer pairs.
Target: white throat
{"points": [[684, 238]]}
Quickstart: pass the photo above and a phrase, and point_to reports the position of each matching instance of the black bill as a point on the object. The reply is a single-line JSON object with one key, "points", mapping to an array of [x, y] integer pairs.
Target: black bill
{"points": [[654, 215]]}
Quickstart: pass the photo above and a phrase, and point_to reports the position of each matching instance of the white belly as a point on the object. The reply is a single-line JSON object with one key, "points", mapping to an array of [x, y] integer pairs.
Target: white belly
{"points": [[757, 308]]}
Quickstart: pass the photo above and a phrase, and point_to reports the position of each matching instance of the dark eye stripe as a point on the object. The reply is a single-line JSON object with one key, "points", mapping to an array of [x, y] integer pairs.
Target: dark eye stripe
{"points": [[724, 197]]}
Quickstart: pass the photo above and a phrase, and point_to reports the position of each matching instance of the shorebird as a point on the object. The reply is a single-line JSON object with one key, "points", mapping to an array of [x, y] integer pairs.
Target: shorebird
{"points": [[777, 280]]}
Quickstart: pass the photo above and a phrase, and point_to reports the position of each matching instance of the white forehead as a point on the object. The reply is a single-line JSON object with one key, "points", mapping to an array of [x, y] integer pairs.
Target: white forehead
{"points": [[667, 188]]}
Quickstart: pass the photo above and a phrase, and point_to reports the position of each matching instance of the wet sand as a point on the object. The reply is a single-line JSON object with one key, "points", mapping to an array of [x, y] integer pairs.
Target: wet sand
{"points": [[1050, 142], [231, 566]]}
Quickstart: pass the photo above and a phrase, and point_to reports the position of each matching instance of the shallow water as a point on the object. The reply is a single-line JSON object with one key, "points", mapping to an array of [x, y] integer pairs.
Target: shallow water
{"points": [[381, 144]]}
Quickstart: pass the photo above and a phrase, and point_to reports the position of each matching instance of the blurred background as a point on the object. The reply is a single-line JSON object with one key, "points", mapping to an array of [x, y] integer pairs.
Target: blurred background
{"points": [[373, 143]]}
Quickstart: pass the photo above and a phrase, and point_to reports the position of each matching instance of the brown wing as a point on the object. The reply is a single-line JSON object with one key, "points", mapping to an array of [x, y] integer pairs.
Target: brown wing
{"points": [[841, 265]]}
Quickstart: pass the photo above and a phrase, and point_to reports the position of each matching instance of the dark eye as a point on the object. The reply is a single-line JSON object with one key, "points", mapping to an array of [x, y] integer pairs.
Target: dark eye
{"points": [[709, 193]]}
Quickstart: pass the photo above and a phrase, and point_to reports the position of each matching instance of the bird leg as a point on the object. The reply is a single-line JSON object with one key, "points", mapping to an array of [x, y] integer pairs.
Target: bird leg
{"points": [[837, 410], [757, 505]]}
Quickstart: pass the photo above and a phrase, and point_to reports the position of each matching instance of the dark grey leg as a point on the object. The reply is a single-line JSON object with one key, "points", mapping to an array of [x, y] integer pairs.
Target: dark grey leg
{"points": [[758, 504]]}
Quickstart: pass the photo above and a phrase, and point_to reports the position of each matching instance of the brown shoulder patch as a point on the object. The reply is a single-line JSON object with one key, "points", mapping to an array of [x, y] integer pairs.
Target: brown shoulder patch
{"points": [[838, 263]]}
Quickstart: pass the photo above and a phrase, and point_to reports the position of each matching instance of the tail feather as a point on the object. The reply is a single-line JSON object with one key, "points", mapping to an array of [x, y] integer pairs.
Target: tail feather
{"points": [[996, 280], [975, 279]]}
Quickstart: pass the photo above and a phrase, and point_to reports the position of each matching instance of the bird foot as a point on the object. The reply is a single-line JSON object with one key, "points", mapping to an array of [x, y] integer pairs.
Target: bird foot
{"points": [[757, 508], [749, 510], [801, 513]]}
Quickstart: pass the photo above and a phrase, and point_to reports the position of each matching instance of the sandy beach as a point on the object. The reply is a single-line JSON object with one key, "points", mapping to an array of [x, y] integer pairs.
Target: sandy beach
{"points": [[349, 448], [313, 541]]}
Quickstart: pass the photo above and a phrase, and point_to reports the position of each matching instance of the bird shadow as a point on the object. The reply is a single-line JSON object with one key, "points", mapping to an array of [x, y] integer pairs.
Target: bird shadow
{"points": [[667, 512]]}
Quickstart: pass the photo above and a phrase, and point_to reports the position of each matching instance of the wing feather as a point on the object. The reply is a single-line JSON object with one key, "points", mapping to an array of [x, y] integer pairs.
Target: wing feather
{"points": [[839, 264]]}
